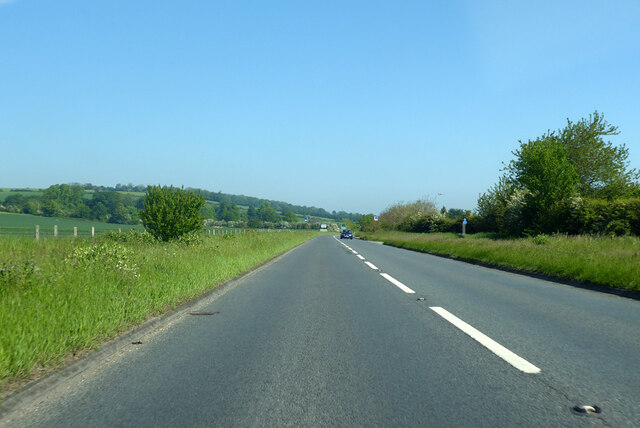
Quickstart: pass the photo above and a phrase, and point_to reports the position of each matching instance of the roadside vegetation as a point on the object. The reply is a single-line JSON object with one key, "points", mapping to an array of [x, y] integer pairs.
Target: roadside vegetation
{"points": [[62, 297], [567, 205], [604, 260]]}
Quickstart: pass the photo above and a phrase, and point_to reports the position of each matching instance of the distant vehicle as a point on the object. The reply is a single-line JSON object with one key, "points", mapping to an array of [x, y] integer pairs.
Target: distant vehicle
{"points": [[346, 234]]}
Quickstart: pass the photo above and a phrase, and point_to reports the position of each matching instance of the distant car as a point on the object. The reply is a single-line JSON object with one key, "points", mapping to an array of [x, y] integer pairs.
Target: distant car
{"points": [[346, 234]]}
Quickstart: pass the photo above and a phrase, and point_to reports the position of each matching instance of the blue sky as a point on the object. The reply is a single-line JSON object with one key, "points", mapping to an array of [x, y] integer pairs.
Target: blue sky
{"points": [[344, 105]]}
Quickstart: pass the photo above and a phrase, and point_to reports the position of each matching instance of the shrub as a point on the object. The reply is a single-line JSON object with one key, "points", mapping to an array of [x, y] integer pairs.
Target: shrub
{"points": [[169, 212]]}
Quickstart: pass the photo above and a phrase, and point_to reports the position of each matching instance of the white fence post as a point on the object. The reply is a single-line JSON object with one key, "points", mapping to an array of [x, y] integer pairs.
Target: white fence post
{"points": [[75, 231], [55, 230], [36, 232], [93, 231]]}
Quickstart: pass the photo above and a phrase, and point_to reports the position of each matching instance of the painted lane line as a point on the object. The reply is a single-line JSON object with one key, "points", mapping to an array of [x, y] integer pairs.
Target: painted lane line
{"points": [[360, 257], [397, 283], [371, 265], [354, 251], [502, 352]]}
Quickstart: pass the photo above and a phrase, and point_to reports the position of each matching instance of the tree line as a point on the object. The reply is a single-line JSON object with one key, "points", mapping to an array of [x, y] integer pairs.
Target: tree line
{"points": [[72, 200], [112, 204], [566, 181], [229, 200]]}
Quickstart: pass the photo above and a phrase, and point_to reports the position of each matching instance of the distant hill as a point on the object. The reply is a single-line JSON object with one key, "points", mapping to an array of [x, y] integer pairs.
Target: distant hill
{"points": [[131, 194]]}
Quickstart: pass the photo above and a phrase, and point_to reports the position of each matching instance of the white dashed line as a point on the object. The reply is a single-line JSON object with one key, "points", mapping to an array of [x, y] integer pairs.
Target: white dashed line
{"points": [[397, 283], [371, 265], [502, 352], [499, 350]]}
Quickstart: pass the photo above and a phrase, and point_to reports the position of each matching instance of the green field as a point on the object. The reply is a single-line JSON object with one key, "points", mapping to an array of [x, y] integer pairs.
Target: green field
{"points": [[24, 225], [26, 192]]}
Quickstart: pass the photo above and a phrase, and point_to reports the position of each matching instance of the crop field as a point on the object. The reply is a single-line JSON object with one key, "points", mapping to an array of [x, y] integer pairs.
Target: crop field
{"points": [[24, 225]]}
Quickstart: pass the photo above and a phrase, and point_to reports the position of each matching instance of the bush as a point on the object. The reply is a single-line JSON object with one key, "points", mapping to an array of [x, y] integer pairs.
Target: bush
{"points": [[169, 212], [599, 216]]}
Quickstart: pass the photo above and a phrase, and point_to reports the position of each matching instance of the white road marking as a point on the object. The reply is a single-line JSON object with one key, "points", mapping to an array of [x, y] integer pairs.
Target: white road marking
{"points": [[360, 257], [397, 283], [354, 251], [502, 352], [371, 265]]}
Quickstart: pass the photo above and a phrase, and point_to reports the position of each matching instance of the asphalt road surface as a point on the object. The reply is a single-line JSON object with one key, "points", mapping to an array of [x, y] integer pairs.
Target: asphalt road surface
{"points": [[359, 334]]}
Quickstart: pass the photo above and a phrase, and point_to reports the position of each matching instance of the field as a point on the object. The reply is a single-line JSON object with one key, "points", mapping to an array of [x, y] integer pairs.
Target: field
{"points": [[24, 224], [62, 297], [25, 192], [601, 260]]}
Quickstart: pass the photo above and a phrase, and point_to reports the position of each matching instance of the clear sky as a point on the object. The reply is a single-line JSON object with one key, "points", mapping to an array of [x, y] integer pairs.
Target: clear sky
{"points": [[344, 105]]}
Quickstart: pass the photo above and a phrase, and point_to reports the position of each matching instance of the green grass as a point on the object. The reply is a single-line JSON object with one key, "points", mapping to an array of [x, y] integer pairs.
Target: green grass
{"points": [[24, 224], [61, 297], [608, 261]]}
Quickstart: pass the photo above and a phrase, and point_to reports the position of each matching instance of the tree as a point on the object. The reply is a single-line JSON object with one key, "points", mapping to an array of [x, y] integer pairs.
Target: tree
{"points": [[542, 168], [170, 212], [401, 215], [227, 211], [51, 208], [601, 167], [289, 216], [266, 213], [366, 223]]}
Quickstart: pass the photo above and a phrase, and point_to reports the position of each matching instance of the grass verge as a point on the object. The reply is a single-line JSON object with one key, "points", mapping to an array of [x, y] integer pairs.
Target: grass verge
{"points": [[607, 261], [62, 297]]}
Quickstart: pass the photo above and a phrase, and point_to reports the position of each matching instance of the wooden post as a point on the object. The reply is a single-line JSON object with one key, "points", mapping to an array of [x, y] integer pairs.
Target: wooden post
{"points": [[75, 231], [93, 231], [119, 230], [55, 230], [37, 232]]}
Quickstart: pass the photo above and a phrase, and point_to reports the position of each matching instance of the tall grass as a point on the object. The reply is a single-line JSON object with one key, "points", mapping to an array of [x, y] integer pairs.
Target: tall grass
{"points": [[609, 261], [59, 297]]}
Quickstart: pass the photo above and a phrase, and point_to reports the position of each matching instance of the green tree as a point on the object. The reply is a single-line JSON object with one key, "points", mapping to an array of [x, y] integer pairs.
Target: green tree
{"points": [[601, 167], [51, 208], [208, 212], [366, 223], [289, 216], [120, 215], [542, 168], [266, 213], [227, 211], [170, 212]]}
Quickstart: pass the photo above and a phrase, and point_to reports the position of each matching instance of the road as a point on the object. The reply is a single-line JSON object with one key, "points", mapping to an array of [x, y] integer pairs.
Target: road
{"points": [[332, 335]]}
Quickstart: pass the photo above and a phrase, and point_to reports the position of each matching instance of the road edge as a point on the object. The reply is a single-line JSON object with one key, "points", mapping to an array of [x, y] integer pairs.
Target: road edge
{"points": [[39, 387], [585, 285]]}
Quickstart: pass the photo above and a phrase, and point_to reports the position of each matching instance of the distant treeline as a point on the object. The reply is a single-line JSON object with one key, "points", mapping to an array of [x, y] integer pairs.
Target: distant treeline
{"points": [[248, 201], [118, 205], [69, 200]]}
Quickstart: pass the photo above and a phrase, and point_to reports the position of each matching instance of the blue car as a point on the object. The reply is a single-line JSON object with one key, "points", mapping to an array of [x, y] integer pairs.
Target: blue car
{"points": [[346, 234]]}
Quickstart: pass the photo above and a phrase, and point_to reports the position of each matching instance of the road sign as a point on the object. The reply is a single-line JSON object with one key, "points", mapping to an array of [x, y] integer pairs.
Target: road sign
{"points": [[464, 221], [343, 226], [375, 218], [306, 219]]}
